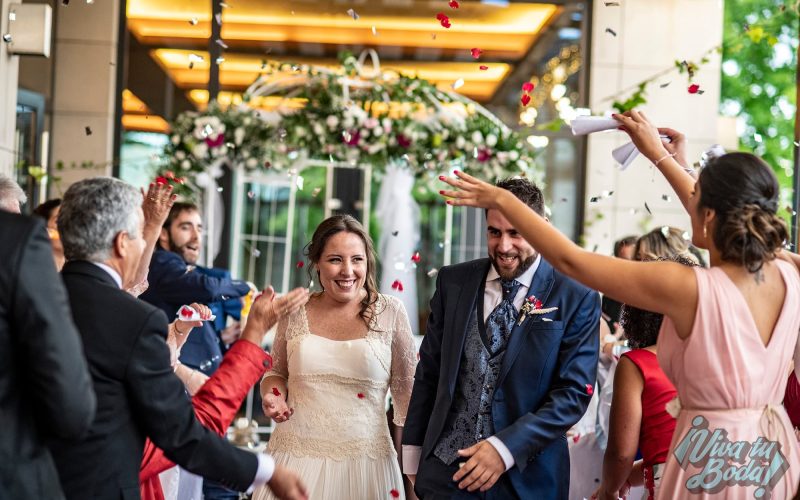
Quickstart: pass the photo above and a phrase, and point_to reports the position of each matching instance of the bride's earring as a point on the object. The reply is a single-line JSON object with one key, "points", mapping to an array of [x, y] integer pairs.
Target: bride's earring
{"points": [[705, 231]]}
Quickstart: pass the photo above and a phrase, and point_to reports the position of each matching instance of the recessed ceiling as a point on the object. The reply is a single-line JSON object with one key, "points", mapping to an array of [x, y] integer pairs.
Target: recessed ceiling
{"points": [[406, 34]]}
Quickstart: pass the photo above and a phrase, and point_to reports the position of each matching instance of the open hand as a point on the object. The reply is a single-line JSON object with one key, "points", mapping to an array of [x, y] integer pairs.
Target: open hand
{"points": [[471, 192], [268, 308], [158, 201], [482, 470], [286, 484]]}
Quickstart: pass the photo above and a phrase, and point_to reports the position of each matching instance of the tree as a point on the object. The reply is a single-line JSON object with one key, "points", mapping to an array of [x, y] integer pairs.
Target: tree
{"points": [[759, 65]]}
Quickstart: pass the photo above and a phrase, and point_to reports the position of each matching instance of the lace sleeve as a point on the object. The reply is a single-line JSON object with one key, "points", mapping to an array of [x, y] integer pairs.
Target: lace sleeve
{"points": [[280, 367], [404, 363], [138, 289]]}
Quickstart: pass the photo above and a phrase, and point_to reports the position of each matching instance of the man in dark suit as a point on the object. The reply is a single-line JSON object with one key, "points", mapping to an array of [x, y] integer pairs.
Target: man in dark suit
{"points": [[45, 387], [499, 382], [124, 340]]}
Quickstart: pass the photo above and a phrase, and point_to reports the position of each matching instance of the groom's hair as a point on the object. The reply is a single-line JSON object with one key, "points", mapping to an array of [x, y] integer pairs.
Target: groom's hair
{"points": [[526, 191]]}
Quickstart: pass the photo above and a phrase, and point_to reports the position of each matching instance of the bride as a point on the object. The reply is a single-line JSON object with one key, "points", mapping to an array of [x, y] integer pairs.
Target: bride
{"points": [[334, 361]]}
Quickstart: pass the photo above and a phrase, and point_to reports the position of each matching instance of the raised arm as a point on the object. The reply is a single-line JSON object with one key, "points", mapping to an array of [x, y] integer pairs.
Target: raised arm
{"points": [[156, 205], [666, 287], [666, 157]]}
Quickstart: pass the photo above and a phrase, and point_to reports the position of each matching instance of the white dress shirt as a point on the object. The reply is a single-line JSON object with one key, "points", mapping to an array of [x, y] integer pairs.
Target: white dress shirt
{"points": [[492, 296]]}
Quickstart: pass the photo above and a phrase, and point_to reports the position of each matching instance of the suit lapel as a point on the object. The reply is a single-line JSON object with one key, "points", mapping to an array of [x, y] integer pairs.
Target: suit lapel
{"points": [[540, 287], [467, 296]]}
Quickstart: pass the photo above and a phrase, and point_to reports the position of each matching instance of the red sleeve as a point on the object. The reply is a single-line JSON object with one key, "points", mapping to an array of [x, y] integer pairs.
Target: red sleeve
{"points": [[217, 402], [791, 400]]}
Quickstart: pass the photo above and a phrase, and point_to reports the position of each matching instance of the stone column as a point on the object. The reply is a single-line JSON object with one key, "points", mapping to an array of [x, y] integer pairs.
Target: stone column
{"points": [[9, 69], [650, 36], [84, 88]]}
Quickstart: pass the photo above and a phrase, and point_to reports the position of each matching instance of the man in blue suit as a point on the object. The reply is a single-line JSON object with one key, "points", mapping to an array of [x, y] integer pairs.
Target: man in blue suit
{"points": [[174, 279], [499, 382]]}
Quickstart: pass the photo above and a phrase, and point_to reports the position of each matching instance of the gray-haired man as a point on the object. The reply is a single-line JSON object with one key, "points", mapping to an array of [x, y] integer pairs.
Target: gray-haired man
{"points": [[12, 197], [138, 395]]}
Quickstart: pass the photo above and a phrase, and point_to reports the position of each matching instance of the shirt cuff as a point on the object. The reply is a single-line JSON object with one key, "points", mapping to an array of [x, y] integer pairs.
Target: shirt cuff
{"points": [[508, 459], [266, 467], [411, 455]]}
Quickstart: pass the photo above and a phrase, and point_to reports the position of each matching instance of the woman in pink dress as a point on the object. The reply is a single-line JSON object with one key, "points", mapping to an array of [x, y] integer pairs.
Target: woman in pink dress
{"points": [[729, 332]]}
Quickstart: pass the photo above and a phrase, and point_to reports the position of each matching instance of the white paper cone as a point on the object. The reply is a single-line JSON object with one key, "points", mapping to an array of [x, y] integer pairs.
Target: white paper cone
{"points": [[625, 154], [583, 125]]}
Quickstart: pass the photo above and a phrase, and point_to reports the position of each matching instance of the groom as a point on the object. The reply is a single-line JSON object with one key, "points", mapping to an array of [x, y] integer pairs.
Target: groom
{"points": [[499, 382]]}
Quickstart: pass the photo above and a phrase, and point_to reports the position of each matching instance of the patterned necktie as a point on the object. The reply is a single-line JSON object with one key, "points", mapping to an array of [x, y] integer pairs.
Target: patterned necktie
{"points": [[501, 321]]}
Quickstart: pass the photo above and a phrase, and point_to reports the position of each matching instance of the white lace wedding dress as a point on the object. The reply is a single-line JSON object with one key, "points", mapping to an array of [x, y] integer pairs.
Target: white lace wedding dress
{"points": [[338, 440]]}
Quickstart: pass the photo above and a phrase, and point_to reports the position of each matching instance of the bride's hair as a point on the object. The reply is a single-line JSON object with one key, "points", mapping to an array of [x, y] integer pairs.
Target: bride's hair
{"points": [[336, 224]]}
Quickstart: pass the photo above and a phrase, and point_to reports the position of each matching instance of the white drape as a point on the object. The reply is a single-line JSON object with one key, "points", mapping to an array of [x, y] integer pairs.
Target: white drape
{"points": [[399, 221]]}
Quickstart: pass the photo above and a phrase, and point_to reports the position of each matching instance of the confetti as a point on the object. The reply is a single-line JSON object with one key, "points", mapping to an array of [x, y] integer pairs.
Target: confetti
{"points": [[374, 31], [394, 493], [483, 68], [594, 199], [576, 438], [686, 236], [433, 36], [275, 391], [220, 60], [12, 16], [251, 194], [316, 191], [665, 231], [694, 88], [611, 4], [415, 258], [453, 4], [397, 285], [589, 389], [612, 32], [476, 53], [193, 21], [647, 208], [224, 5], [353, 14], [360, 395], [395, 233], [88, 130], [218, 19], [525, 99], [666, 197], [458, 84], [300, 264], [527, 87], [433, 272], [256, 253], [664, 85], [7, 38], [221, 43]]}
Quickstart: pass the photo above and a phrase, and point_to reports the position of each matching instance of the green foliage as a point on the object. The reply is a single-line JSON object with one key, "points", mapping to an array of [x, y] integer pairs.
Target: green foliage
{"points": [[758, 79]]}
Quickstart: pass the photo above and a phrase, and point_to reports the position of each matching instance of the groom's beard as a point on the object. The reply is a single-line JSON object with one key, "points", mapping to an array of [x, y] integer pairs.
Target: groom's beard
{"points": [[523, 266]]}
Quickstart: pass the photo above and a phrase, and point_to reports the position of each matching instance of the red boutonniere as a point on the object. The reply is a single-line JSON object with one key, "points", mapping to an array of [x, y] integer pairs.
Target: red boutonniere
{"points": [[531, 307]]}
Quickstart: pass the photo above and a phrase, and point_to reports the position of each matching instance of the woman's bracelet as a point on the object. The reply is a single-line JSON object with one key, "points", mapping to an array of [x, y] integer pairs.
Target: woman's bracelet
{"points": [[668, 155]]}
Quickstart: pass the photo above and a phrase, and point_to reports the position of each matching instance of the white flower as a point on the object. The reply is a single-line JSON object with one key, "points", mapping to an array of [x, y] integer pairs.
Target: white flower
{"points": [[364, 133], [491, 140], [374, 148], [251, 163], [371, 123], [377, 132], [674, 407], [348, 122], [247, 121], [176, 139], [477, 137], [460, 142], [200, 150], [238, 136], [180, 155], [513, 155], [208, 126], [332, 122], [319, 130], [223, 150], [186, 164], [387, 124], [299, 131]]}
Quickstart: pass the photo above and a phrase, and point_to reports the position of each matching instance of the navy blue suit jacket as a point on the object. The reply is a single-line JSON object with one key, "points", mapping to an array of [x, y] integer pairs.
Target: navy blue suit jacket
{"points": [[173, 283], [542, 389]]}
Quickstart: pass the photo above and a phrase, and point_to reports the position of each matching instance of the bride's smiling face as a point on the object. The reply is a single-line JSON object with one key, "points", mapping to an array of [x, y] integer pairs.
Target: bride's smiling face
{"points": [[343, 267]]}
